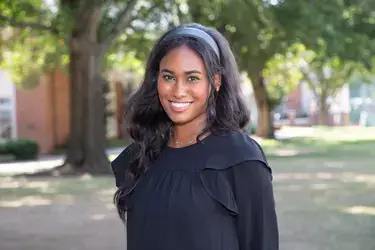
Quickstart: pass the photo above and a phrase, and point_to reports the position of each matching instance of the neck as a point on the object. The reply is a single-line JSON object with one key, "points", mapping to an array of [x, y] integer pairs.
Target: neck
{"points": [[188, 132]]}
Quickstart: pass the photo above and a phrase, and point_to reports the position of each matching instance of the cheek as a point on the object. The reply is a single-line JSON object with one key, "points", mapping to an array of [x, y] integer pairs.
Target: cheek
{"points": [[201, 92], [162, 88]]}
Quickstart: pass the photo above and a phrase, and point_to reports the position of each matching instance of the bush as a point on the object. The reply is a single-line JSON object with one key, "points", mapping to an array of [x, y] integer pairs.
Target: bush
{"points": [[251, 128], [3, 148], [21, 149]]}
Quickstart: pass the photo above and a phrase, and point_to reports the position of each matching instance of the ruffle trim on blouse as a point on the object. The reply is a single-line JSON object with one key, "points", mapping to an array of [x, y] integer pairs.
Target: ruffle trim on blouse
{"points": [[236, 149], [120, 163]]}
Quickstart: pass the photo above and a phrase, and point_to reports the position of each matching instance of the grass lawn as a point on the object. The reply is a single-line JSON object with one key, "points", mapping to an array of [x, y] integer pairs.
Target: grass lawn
{"points": [[334, 142], [324, 189]]}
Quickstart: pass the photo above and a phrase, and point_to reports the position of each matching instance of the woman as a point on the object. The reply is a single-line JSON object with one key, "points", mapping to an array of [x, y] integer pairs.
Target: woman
{"points": [[192, 179]]}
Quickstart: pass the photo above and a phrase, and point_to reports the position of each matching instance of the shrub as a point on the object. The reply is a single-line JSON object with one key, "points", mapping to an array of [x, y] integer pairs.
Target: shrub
{"points": [[21, 149]]}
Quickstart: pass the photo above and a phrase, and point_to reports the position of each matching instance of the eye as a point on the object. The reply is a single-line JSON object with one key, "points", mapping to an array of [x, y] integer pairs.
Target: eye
{"points": [[193, 79], [168, 78]]}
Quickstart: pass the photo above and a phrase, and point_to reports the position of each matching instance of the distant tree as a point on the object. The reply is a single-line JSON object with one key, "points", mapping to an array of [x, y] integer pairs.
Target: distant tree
{"points": [[258, 30], [78, 34]]}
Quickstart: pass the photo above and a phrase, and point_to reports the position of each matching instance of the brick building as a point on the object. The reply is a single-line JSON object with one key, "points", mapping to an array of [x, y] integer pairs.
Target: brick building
{"points": [[43, 112], [301, 108]]}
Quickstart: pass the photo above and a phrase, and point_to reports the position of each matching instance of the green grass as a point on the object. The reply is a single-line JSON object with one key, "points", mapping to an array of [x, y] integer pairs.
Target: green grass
{"points": [[344, 142], [319, 148], [325, 203], [15, 188], [324, 188]]}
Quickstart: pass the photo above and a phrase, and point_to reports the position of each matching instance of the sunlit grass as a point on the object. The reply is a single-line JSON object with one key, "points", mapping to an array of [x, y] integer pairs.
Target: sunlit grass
{"points": [[325, 142], [12, 188], [361, 210], [324, 185]]}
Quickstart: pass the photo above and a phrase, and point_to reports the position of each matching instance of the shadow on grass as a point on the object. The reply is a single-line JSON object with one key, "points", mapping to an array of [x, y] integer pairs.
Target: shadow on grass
{"points": [[44, 191], [326, 203]]}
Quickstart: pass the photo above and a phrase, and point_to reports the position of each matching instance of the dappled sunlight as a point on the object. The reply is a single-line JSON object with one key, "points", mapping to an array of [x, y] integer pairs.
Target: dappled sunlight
{"points": [[324, 175], [98, 217], [361, 210], [29, 201], [9, 183], [286, 152], [334, 164], [347, 133], [61, 190], [292, 187], [355, 177], [314, 186], [320, 186], [23, 186], [86, 177], [106, 192], [110, 206], [293, 176], [347, 177], [66, 199]]}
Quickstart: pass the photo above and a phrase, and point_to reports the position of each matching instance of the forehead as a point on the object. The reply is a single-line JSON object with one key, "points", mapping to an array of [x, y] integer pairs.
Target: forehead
{"points": [[182, 59]]}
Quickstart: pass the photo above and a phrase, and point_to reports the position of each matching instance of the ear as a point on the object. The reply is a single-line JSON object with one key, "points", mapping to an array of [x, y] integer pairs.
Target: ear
{"points": [[217, 81]]}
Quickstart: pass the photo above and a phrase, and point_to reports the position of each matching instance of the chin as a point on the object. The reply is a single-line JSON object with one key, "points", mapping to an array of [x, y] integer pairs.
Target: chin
{"points": [[180, 120]]}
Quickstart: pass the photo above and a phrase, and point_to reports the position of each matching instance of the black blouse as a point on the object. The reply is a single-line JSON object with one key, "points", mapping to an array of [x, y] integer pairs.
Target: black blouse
{"points": [[214, 195]]}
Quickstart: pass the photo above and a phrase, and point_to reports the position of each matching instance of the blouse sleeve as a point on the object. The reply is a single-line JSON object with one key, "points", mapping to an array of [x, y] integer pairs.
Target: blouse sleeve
{"points": [[256, 220], [120, 163]]}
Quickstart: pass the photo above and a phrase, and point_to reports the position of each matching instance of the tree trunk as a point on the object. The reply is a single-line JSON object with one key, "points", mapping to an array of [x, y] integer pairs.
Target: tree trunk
{"points": [[265, 126], [324, 113], [86, 152]]}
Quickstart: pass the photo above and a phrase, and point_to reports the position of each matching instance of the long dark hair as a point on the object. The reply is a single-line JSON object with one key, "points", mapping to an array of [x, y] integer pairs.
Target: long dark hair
{"points": [[148, 124]]}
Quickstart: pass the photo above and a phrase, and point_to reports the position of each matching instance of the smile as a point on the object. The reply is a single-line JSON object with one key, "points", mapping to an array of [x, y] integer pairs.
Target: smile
{"points": [[180, 106]]}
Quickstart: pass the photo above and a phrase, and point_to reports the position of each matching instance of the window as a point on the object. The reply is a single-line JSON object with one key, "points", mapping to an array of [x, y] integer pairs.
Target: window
{"points": [[5, 101]]}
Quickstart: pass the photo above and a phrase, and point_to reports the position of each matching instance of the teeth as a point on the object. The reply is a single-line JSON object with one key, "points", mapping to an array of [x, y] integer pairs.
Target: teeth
{"points": [[180, 104]]}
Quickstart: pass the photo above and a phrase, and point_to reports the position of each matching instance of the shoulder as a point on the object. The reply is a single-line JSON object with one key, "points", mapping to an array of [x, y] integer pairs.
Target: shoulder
{"points": [[121, 162], [233, 148], [242, 142], [236, 164]]}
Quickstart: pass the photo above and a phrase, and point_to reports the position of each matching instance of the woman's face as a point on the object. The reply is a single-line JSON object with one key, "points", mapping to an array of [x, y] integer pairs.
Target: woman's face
{"points": [[183, 86]]}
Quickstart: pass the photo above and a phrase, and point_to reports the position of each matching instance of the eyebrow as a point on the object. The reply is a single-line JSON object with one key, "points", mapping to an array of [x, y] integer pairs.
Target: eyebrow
{"points": [[186, 72]]}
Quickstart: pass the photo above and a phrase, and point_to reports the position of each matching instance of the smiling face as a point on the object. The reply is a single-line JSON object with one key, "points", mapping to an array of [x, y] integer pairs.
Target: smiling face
{"points": [[183, 86]]}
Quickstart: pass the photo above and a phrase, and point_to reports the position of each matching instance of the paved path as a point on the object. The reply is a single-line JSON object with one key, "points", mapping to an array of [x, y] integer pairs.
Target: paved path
{"points": [[48, 162], [44, 163]]}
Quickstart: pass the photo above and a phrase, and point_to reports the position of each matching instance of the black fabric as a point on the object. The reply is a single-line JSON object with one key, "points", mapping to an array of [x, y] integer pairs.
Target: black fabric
{"points": [[211, 196], [119, 164]]}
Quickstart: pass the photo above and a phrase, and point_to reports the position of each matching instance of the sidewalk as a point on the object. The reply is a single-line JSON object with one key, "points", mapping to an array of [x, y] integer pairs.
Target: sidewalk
{"points": [[48, 162], [43, 163]]}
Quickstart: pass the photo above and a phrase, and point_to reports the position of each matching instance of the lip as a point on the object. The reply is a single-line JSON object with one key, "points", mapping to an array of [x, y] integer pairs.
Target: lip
{"points": [[179, 106]]}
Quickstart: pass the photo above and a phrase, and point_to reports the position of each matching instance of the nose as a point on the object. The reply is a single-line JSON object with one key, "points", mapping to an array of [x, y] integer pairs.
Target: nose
{"points": [[179, 90]]}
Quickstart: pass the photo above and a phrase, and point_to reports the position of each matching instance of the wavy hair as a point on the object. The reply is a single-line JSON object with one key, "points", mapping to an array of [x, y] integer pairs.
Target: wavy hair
{"points": [[148, 124]]}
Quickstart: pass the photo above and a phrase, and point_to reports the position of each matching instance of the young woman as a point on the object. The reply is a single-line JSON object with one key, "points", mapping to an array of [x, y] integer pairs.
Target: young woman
{"points": [[192, 179]]}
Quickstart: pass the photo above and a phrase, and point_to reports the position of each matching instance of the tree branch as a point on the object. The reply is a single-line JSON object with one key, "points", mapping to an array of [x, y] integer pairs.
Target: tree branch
{"points": [[85, 10], [34, 25], [123, 19], [311, 85]]}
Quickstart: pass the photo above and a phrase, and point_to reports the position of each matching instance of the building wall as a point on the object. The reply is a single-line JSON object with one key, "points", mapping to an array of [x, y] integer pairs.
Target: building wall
{"points": [[302, 100], [8, 123], [61, 102], [293, 100], [43, 112], [34, 115]]}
